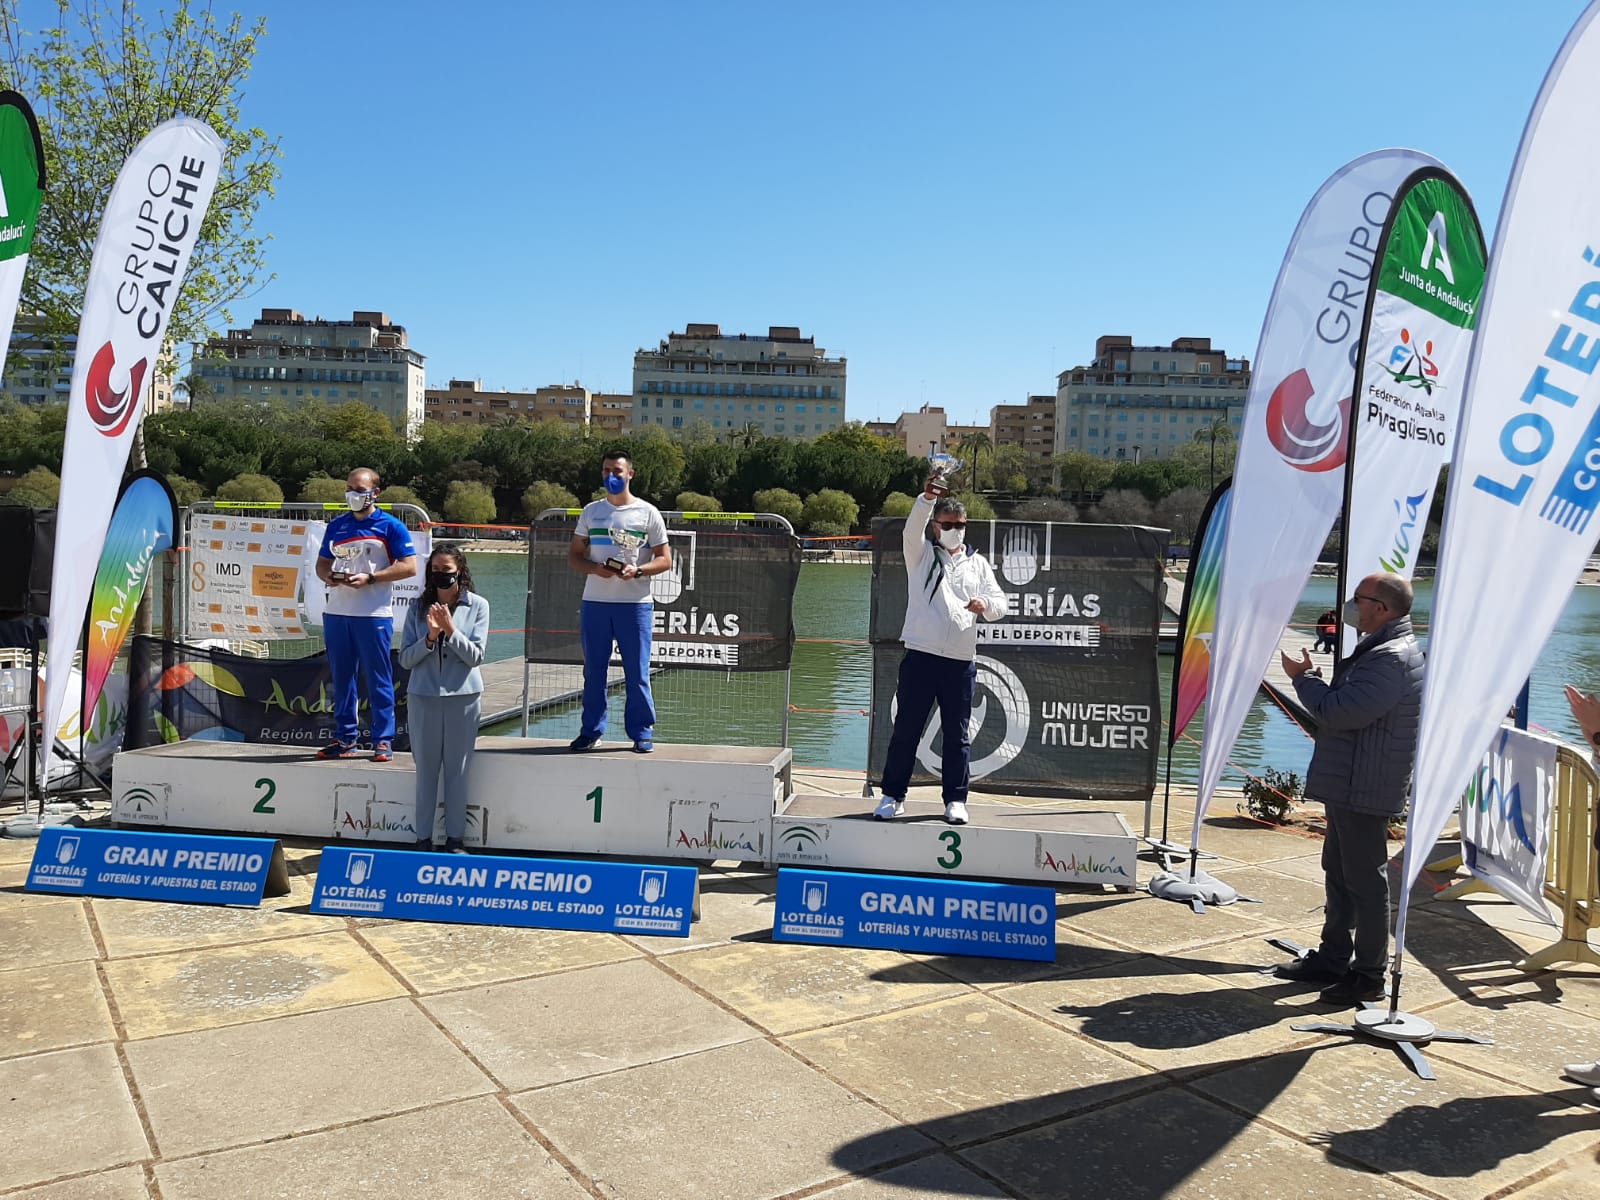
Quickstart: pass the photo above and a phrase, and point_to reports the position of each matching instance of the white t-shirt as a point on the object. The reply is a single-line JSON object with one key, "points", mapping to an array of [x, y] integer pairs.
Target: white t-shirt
{"points": [[629, 532]]}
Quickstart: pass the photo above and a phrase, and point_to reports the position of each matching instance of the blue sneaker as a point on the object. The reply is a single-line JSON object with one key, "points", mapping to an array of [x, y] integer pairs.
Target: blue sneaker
{"points": [[584, 742], [643, 744]]}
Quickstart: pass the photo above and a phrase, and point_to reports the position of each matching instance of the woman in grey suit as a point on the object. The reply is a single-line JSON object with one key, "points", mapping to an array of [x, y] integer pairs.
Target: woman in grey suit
{"points": [[443, 643]]}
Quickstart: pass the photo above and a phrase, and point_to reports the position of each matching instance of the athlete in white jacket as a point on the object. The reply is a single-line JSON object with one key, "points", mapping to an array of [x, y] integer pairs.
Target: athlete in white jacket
{"points": [[948, 589]]}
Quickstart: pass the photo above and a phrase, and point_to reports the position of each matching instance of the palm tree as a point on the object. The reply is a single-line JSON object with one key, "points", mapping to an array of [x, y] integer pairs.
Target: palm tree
{"points": [[746, 436], [973, 447], [1217, 428]]}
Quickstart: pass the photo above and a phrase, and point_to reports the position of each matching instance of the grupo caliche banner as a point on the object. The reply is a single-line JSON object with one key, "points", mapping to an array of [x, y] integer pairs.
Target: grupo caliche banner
{"points": [[178, 692], [727, 604], [1068, 698]]}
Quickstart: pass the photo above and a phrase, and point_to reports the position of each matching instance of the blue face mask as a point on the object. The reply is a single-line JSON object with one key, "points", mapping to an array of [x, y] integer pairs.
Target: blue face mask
{"points": [[615, 484]]}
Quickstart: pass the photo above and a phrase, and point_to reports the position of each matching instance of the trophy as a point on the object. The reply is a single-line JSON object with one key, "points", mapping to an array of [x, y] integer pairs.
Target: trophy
{"points": [[344, 562], [628, 544], [944, 466]]}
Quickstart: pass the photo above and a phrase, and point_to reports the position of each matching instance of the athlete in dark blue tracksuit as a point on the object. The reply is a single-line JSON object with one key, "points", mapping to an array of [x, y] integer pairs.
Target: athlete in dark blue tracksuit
{"points": [[363, 552]]}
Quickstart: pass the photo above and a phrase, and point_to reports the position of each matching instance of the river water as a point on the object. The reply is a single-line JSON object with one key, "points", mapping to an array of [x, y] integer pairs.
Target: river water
{"points": [[834, 675]]}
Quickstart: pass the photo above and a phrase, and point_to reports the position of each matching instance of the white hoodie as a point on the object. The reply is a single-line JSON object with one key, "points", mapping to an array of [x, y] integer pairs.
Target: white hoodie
{"points": [[939, 585]]}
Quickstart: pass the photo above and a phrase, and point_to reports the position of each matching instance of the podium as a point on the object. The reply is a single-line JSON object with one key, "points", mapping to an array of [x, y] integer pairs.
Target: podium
{"points": [[1010, 842], [699, 803]]}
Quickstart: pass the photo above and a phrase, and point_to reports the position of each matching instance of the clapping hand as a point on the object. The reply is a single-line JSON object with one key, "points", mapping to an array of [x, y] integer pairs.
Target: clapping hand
{"points": [[1586, 711], [1296, 667], [440, 622], [434, 626]]}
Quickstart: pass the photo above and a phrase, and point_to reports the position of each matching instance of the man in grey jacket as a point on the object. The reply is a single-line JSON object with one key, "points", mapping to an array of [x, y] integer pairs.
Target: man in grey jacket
{"points": [[1361, 772]]}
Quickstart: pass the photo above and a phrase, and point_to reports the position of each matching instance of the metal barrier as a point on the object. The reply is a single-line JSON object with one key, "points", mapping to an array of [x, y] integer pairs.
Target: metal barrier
{"points": [[414, 517], [721, 660], [1570, 882]]}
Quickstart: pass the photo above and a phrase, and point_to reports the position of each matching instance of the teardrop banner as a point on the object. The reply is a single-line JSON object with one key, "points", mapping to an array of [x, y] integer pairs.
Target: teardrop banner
{"points": [[21, 197]]}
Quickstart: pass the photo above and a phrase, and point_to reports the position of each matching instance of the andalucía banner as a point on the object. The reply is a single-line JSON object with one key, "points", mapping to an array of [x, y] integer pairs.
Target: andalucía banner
{"points": [[141, 528], [151, 223], [1192, 663], [1288, 479], [1525, 479], [1409, 386], [21, 194]]}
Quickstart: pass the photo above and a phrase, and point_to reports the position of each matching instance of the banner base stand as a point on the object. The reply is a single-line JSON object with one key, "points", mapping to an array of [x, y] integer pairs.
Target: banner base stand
{"points": [[1166, 852], [1404, 1031]]}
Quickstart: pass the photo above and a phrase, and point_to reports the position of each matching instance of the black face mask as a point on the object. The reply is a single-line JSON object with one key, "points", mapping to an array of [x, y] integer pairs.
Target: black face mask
{"points": [[443, 580]]}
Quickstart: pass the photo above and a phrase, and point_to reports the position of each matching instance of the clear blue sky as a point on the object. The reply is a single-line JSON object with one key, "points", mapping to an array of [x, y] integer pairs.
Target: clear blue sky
{"points": [[958, 197]]}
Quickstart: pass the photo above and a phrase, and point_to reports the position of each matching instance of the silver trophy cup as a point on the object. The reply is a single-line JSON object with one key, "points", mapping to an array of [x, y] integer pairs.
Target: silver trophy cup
{"points": [[627, 543], [944, 466]]}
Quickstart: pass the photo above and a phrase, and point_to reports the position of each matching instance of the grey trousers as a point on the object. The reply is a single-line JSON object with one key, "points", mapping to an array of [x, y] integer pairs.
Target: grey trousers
{"points": [[443, 729], [1355, 865]]}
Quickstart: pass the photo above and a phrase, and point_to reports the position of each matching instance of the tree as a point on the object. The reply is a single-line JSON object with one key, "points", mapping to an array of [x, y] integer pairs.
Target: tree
{"points": [[830, 507], [709, 467], [1081, 473], [186, 491], [1122, 506], [896, 504], [972, 448], [781, 501], [978, 509], [1180, 512], [1211, 432], [697, 502], [469, 503], [39, 488], [322, 489], [1009, 466], [252, 489], [541, 495], [1043, 508], [401, 495], [100, 79]]}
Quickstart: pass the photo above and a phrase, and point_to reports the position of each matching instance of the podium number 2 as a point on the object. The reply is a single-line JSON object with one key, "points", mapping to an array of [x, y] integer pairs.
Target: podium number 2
{"points": [[264, 805], [595, 796], [952, 839]]}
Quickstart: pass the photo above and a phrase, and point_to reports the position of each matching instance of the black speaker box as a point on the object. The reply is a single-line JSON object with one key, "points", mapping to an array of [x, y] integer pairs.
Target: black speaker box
{"points": [[27, 549]]}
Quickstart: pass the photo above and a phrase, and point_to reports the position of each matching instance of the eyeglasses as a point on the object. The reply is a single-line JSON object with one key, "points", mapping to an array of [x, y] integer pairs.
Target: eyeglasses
{"points": [[951, 524], [1369, 599]]}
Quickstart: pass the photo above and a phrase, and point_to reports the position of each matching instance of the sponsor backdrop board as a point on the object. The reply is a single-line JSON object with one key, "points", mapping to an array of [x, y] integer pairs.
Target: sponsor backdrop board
{"points": [[1002, 842], [244, 576], [699, 803], [930, 916], [538, 893], [178, 692], [139, 865], [1068, 698], [726, 604], [1505, 817]]}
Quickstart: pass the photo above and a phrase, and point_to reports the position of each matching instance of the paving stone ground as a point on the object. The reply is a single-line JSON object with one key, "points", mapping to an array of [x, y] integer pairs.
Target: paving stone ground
{"points": [[167, 1052]]}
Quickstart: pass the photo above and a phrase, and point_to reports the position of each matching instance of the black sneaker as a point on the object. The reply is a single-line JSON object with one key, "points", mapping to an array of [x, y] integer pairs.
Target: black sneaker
{"points": [[1353, 989], [1309, 968], [454, 846], [425, 845], [583, 742]]}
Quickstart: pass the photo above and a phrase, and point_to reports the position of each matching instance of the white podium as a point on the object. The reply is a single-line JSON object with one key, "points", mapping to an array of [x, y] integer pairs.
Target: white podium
{"points": [[1008, 842], [692, 802]]}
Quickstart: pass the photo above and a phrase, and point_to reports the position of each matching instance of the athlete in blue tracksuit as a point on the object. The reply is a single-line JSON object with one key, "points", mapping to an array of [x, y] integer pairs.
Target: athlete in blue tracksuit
{"points": [[363, 552]]}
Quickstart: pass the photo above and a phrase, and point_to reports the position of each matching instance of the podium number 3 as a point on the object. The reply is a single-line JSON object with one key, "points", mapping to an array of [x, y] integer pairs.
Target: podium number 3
{"points": [[952, 839], [595, 796], [264, 805]]}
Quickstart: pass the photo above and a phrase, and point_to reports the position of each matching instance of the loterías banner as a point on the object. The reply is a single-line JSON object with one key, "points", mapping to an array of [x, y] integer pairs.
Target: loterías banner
{"points": [[151, 224], [141, 528], [21, 195], [1288, 478], [1525, 476], [1409, 383]]}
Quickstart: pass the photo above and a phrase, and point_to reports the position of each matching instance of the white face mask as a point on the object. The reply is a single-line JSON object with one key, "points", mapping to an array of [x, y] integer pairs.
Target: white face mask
{"points": [[357, 500], [950, 539]]}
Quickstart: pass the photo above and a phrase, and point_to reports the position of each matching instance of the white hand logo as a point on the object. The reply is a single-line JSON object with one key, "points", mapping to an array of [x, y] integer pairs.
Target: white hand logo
{"points": [[1019, 555], [666, 587]]}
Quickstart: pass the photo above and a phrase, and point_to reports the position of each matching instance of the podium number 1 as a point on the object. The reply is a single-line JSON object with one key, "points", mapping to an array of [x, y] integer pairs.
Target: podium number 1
{"points": [[595, 796]]}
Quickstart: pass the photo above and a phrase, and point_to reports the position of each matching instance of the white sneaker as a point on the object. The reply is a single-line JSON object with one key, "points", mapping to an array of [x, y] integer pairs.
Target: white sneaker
{"points": [[890, 807], [955, 813], [1587, 1073]]}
